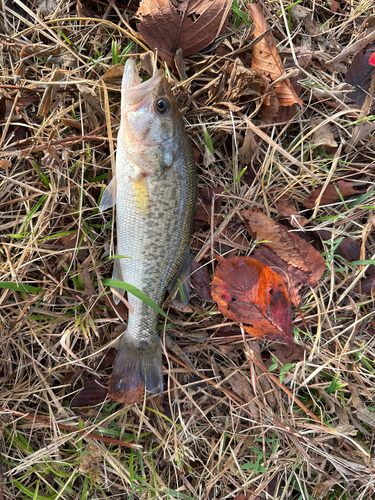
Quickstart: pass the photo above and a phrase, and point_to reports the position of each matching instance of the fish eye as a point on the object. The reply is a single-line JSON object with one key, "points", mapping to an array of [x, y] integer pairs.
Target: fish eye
{"points": [[162, 106]]}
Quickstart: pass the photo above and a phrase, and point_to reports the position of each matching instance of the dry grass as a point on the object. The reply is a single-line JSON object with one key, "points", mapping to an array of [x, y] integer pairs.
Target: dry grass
{"points": [[306, 436]]}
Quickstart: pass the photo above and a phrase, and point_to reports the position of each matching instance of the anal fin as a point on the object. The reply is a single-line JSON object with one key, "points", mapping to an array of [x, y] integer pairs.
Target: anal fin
{"points": [[181, 279]]}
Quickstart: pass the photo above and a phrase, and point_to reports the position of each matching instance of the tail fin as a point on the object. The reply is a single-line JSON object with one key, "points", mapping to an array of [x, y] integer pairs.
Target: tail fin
{"points": [[136, 368]]}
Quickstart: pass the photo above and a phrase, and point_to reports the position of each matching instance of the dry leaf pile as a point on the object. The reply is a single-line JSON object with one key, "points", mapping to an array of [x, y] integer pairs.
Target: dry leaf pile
{"points": [[269, 369]]}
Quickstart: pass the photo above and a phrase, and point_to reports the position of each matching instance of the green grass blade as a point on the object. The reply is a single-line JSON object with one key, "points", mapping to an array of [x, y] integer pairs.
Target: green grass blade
{"points": [[20, 287], [134, 291]]}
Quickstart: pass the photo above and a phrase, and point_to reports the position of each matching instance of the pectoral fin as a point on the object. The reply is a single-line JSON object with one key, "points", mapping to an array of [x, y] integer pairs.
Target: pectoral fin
{"points": [[109, 196], [182, 275]]}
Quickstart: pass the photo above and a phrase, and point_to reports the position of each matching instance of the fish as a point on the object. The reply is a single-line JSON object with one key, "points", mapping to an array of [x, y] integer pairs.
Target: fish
{"points": [[154, 190]]}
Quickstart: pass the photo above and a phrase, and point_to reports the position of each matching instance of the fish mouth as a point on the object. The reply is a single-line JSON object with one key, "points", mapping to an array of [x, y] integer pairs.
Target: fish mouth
{"points": [[134, 91]]}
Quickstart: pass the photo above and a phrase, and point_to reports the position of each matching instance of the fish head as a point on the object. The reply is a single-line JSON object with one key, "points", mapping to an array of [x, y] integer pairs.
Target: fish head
{"points": [[149, 121]]}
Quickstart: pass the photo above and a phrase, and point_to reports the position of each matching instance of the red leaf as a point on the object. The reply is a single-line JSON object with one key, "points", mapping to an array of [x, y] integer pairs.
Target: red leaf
{"points": [[372, 59], [251, 293]]}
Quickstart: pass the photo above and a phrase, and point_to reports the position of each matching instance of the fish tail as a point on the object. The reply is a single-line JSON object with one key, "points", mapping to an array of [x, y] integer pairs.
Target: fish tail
{"points": [[136, 368]]}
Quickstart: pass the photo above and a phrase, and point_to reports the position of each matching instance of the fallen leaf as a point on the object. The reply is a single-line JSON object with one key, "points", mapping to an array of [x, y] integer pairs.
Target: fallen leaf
{"points": [[115, 72], [107, 360], [286, 245], [5, 164], [248, 148], [24, 101], [323, 135], [201, 280], [335, 6], [204, 206], [359, 75], [293, 277], [364, 414], [331, 193], [239, 383], [288, 211], [304, 15], [251, 293], [270, 108], [368, 284], [92, 394], [90, 461], [87, 282], [284, 353], [69, 122], [349, 249], [267, 60], [190, 25]]}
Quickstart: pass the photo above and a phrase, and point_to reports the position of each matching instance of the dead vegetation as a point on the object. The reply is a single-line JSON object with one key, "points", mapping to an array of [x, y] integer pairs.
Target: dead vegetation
{"points": [[240, 418]]}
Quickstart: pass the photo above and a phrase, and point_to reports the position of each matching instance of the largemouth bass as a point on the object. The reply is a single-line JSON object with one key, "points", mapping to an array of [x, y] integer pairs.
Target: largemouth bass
{"points": [[154, 190]]}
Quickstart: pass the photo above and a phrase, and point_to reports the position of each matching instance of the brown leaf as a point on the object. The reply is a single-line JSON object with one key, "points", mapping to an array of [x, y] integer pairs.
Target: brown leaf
{"points": [[204, 206], [267, 59], [364, 414], [115, 72], [286, 245], [5, 164], [368, 284], [331, 194], [359, 75], [93, 393], [168, 25], [335, 6], [288, 211], [69, 122], [89, 287], [201, 280], [349, 249], [239, 384], [249, 292], [285, 354], [323, 134], [293, 277]]}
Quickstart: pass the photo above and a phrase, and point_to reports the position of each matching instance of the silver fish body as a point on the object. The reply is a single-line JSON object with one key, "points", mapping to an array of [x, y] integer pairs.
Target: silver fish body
{"points": [[155, 194]]}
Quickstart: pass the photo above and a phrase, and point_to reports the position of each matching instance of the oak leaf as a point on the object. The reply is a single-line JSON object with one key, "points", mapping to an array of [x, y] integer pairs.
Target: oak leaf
{"points": [[251, 293], [190, 25], [266, 59], [286, 245]]}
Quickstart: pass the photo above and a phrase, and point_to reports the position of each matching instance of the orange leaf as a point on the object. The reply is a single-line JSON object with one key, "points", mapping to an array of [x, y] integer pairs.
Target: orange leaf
{"points": [[266, 59], [167, 25], [251, 293]]}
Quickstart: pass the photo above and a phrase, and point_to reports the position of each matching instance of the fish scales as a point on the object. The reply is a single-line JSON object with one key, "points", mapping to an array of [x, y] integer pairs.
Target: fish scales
{"points": [[155, 196]]}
